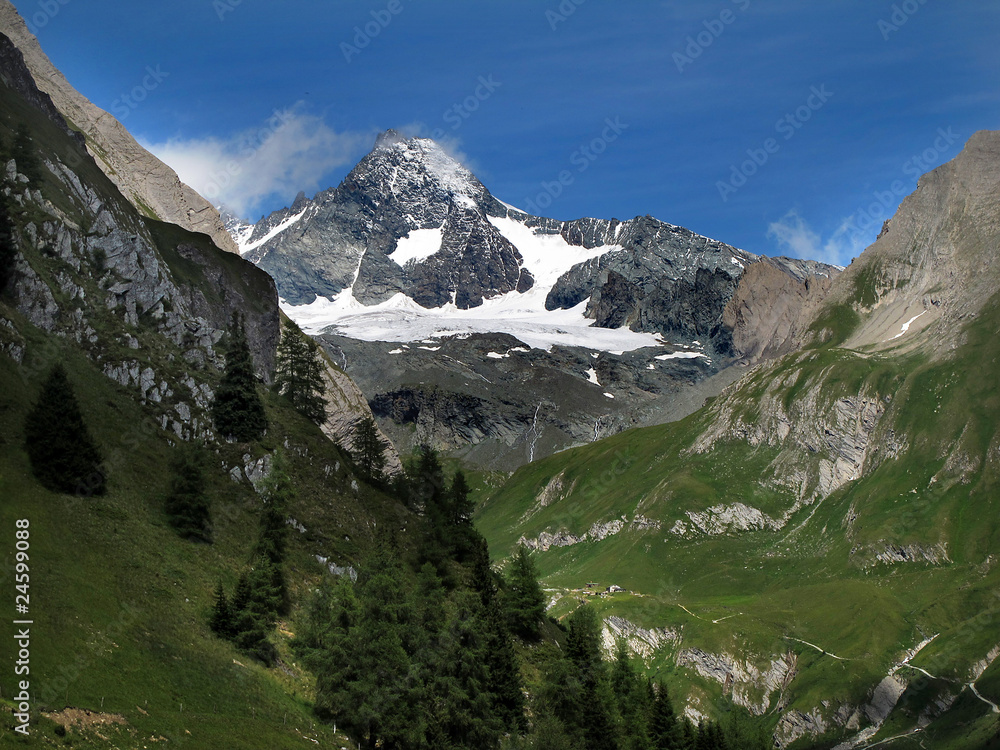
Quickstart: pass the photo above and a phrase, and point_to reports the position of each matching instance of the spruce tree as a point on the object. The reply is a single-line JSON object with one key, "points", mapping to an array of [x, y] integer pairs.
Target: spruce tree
{"points": [[278, 492], [64, 458], [222, 614], [369, 450], [237, 410], [299, 375], [8, 244], [524, 599], [382, 700], [665, 731], [505, 674], [461, 699], [187, 501], [462, 534], [23, 152], [254, 610], [633, 698]]}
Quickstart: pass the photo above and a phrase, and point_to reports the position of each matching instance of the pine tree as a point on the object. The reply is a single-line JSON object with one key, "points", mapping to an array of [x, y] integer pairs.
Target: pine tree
{"points": [[8, 244], [596, 699], [222, 614], [237, 410], [299, 375], [254, 611], [524, 599], [187, 501], [505, 674], [369, 450], [278, 493], [64, 458], [632, 695], [462, 534], [461, 699], [23, 152], [382, 699], [483, 579], [666, 732], [583, 643]]}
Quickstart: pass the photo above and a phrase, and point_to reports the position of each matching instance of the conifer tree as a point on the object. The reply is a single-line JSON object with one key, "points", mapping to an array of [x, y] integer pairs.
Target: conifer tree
{"points": [[523, 597], [461, 700], [666, 733], [505, 676], [222, 614], [462, 534], [23, 152], [369, 450], [237, 410], [299, 374], [278, 492], [382, 701], [254, 609], [632, 696], [484, 580], [64, 458], [187, 500], [8, 244]]}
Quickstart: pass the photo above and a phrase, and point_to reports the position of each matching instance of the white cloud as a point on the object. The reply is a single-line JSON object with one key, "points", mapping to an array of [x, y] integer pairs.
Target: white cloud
{"points": [[289, 152], [797, 238]]}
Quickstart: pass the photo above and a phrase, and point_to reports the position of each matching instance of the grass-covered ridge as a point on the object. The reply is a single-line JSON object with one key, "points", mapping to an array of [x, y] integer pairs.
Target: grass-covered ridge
{"points": [[836, 574]]}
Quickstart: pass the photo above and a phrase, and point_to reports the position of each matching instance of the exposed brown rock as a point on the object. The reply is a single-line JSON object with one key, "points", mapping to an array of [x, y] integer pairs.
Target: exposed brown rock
{"points": [[773, 304]]}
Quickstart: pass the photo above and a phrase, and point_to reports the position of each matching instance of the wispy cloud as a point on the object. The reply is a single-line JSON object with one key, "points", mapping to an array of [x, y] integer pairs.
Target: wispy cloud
{"points": [[290, 151], [797, 238]]}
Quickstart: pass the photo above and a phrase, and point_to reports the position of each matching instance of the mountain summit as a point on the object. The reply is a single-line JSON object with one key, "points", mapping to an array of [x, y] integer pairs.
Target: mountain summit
{"points": [[411, 228], [530, 333]]}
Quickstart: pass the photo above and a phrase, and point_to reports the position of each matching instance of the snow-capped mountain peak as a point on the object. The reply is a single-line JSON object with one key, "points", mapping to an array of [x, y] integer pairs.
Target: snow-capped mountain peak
{"points": [[411, 244]]}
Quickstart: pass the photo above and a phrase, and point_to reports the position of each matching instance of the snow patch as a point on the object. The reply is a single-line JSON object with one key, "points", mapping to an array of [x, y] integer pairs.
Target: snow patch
{"points": [[906, 326], [592, 376], [522, 315], [245, 246], [680, 355], [400, 319], [418, 245]]}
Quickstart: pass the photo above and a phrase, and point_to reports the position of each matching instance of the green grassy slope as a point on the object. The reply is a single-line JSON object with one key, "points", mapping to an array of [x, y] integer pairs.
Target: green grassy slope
{"points": [[817, 579], [120, 603]]}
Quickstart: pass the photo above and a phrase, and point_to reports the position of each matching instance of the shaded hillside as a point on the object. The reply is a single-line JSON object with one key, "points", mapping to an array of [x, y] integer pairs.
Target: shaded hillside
{"points": [[136, 312]]}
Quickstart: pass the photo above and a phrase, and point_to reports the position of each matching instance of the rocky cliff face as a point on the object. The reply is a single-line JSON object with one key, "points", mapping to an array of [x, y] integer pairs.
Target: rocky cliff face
{"points": [[343, 238], [773, 304], [934, 265], [149, 184], [90, 263], [411, 220], [346, 406]]}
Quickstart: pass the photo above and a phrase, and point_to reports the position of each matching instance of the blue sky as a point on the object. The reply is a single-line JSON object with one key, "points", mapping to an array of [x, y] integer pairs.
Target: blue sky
{"points": [[779, 126]]}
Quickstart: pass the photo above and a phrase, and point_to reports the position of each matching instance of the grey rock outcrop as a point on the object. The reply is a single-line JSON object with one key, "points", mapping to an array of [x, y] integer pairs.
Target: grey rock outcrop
{"points": [[346, 407], [653, 277], [168, 293]]}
